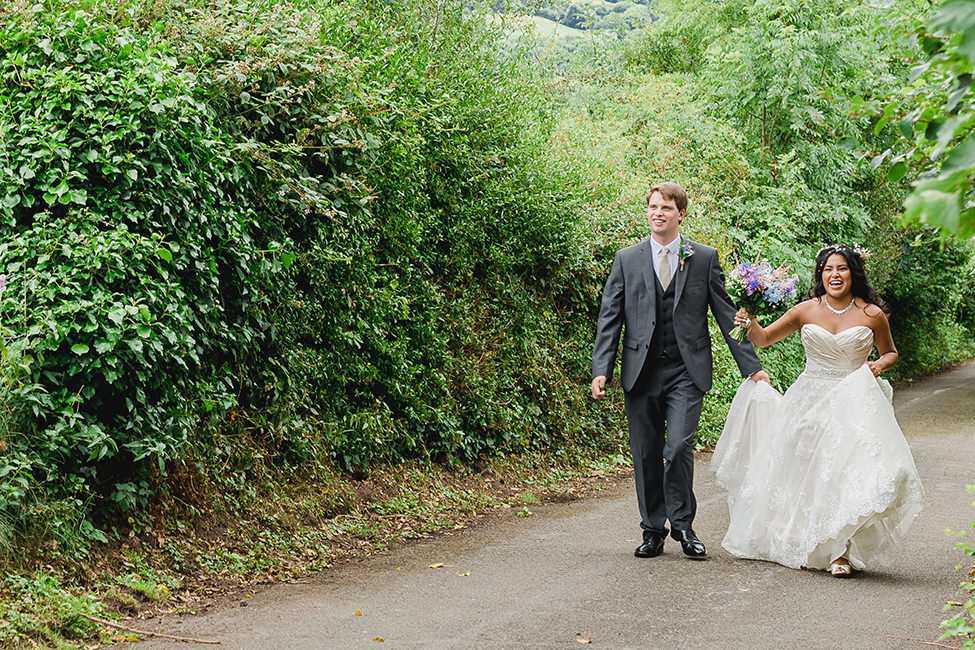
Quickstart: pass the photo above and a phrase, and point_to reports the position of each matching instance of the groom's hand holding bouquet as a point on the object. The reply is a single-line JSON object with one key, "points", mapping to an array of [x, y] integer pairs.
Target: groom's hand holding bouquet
{"points": [[761, 290]]}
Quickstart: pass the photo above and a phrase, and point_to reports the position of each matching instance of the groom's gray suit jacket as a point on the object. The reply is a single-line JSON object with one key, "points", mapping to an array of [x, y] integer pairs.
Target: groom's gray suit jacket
{"points": [[629, 305]]}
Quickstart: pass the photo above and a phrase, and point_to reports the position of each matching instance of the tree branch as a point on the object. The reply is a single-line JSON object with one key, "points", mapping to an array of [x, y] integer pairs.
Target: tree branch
{"points": [[145, 633]]}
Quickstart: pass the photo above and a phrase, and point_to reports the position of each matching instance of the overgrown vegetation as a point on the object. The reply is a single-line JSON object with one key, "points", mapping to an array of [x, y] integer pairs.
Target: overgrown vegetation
{"points": [[961, 626], [796, 87], [255, 254], [934, 117], [327, 237]]}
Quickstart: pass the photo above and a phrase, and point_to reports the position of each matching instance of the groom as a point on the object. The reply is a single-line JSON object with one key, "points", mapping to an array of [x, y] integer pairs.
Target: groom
{"points": [[658, 295]]}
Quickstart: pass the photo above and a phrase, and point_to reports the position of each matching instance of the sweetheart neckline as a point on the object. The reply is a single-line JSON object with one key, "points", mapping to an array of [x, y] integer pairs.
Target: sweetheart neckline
{"points": [[836, 333]]}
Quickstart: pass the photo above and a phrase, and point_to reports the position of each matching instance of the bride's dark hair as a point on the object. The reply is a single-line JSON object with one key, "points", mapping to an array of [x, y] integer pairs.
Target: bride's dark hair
{"points": [[861, 287]]}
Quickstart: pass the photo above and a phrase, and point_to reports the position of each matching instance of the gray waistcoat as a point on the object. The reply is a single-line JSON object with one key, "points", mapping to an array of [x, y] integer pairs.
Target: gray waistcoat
{"points": [[664, 339]]}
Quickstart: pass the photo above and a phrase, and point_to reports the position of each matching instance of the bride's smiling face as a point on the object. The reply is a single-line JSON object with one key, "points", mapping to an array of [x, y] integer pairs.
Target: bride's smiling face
{"points": [[837, 277]]}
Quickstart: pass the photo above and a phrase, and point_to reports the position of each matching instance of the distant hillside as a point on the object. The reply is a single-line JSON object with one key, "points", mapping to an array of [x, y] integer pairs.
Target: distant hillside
{"points": [[553, 29], [619, 15]]}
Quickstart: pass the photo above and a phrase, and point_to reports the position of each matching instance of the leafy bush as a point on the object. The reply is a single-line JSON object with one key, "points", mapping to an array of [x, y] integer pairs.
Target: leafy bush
{"points": [[929, 304], [38, 609], [675, 43], [328, 235], [126, 252]]}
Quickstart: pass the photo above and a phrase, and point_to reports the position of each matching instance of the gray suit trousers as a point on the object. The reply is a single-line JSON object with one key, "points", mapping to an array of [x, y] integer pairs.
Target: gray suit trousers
{"points": [[662, 412]]}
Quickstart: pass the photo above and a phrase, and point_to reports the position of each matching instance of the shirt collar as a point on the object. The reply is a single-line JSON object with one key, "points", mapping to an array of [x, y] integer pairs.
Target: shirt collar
{"points": [[671, 247]]}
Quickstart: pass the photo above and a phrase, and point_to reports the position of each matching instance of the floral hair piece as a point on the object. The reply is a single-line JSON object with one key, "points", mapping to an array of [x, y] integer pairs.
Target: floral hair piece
{"points": [[861, 251]]}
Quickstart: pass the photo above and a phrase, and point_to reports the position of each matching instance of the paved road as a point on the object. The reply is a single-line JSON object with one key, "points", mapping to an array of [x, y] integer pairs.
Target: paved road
{"points": [[568, 575]]}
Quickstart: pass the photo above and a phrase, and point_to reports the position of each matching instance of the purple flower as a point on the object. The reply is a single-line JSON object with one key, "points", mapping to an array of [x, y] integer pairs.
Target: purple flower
{"points": [[758, 287], [684, 252]]}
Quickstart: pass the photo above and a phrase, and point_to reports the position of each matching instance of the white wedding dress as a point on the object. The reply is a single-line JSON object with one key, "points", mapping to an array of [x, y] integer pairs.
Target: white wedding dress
{"points": [[823, 470]]}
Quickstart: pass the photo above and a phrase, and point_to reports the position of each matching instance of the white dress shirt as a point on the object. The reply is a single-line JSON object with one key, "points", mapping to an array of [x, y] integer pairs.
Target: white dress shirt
{"points": [[670, 249]]}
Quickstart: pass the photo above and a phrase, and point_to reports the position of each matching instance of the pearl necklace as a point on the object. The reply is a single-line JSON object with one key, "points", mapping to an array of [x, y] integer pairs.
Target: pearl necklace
{"points": [[839, 312]]}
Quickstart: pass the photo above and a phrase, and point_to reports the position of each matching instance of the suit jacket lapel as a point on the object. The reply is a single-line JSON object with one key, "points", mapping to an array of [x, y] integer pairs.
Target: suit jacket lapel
{"points": [[646, 265], [681, 273]]}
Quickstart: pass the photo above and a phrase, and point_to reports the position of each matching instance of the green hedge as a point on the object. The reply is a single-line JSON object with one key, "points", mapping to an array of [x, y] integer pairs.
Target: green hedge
{"points": [[240, 234]]}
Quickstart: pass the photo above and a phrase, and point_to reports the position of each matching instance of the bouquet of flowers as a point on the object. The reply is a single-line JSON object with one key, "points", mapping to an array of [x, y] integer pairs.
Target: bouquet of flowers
{"points": [[760, 289]]}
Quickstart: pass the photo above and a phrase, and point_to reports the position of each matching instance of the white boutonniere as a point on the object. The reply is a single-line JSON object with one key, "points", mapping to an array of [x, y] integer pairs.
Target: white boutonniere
{"points": [[684, 252]]}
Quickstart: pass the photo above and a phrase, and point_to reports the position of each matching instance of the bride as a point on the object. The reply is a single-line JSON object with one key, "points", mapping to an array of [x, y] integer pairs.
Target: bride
{"points": [[822, 476]]}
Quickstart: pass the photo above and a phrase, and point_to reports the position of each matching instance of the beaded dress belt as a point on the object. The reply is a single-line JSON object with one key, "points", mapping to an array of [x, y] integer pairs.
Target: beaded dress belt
{"points": [[826, 373]]}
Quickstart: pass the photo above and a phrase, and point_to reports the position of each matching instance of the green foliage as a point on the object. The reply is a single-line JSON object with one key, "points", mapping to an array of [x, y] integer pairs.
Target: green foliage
{"points": [[777, 172], [145, 581], [934, 119], [783, 80], [328, 235], [37, 611], [930, 306], [787, 74], [961, 626], [127, 254], [616, 15], [427, 231], [676, 43]]}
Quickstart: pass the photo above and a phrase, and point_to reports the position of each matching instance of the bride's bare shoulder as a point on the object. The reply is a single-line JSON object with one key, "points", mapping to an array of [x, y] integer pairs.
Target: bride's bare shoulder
{"points": [[804, 308], [876, 318], [874, 311], [797, 316]]}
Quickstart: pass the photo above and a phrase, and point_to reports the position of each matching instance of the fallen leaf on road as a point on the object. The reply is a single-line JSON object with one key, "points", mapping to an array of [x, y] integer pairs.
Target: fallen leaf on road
{"points": [[587, 640], [358, 613], [438, 565], [379, 639]]}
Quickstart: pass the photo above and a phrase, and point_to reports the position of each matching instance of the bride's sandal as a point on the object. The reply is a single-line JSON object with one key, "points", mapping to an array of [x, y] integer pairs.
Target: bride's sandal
{"points": [[840, 568]]}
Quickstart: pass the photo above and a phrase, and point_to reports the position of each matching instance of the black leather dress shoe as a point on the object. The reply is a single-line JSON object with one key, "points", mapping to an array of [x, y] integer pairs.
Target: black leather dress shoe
{"points": [[693, 547], [652, 546]]}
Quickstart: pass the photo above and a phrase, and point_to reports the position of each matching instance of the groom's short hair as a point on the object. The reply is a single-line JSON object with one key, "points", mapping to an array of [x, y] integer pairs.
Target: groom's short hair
{"points": [[672, 192]]}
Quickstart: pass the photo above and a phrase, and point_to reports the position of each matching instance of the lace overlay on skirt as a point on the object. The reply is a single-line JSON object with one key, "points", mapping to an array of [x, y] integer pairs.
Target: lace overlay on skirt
{"points": [[823, 470]]}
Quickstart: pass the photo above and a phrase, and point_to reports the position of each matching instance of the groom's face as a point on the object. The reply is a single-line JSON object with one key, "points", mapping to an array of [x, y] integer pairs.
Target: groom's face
{"points": [[664, 218]]}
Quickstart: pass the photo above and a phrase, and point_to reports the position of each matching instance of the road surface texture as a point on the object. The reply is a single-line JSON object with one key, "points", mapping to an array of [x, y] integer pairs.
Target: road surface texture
{"points": [[567, 578]]}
